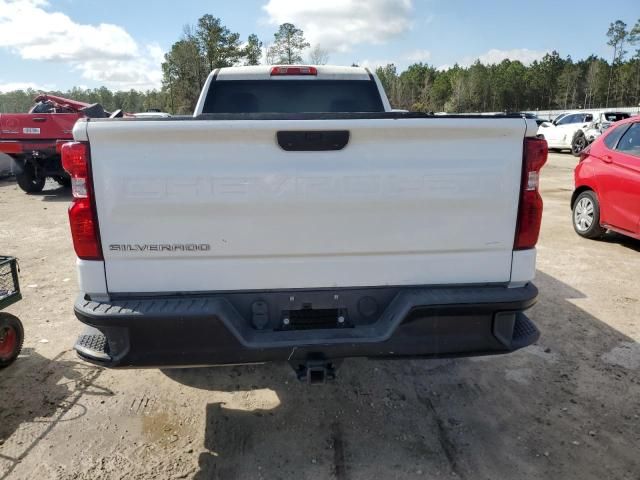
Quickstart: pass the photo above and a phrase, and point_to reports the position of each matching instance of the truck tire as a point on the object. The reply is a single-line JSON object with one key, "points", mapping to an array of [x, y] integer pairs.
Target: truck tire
{"points": [[11, 338], [28, 181], [586, 215], [579, 143]]}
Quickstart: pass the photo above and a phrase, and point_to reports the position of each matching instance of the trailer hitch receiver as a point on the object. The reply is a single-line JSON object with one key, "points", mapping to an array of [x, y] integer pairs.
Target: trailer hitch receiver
{"points": [[316, 369]]}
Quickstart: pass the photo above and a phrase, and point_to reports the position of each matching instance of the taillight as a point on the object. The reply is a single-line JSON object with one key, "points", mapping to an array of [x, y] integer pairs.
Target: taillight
{"points": [[530, 210], [82, 217], [276, 71]]}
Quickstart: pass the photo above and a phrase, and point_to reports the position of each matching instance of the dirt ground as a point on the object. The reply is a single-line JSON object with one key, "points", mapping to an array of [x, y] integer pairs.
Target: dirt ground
{"points": [[565, 408]]}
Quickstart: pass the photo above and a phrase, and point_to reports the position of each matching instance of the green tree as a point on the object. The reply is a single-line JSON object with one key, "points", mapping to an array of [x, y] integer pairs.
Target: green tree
{"points": [[440, 92], [568, 82], [200, 50], [550, 68], [388, 77], [288, 44], [413, 81], [617, 34], [595, 79], [634, 39], [219, 46], [479, 87], [253, 50], [181, 80]]}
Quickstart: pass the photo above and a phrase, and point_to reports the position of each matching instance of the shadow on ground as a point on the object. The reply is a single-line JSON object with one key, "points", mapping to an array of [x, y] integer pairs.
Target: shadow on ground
{"points": [[613, 237], [52, 191], [563, 408], [38, 391]]}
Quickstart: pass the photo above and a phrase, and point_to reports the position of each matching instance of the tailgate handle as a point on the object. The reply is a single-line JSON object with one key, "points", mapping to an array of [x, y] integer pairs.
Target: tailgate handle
{"points": [[40, 119], [313, 141]]}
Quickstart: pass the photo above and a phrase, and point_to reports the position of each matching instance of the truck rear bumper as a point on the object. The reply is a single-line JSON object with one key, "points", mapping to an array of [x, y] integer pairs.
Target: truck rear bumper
{"points": [[250, 327]]}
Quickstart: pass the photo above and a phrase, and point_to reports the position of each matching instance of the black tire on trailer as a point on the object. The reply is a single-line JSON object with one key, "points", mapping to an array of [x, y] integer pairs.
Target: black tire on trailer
{"points": [[28, 181], [11, 338], [586, 215], [578, 143], [63, 181]]}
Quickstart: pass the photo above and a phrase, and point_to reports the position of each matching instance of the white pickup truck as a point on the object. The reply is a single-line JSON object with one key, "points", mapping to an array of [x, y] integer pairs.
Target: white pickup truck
{"points": [[296, 217]]}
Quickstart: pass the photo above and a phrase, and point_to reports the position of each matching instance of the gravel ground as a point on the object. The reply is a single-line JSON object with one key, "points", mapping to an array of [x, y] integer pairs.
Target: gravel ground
{"points": [[567, 407]]}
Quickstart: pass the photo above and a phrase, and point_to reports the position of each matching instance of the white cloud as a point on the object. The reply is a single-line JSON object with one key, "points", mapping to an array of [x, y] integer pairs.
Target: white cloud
{"points": [[338, 25], [104, 53], [11, 86], [142, 72], [418, 55]]}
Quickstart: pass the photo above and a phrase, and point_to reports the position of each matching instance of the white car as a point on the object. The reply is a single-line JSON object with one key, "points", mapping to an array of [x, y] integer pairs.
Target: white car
{"points": [[559, 133], [574, 131]]}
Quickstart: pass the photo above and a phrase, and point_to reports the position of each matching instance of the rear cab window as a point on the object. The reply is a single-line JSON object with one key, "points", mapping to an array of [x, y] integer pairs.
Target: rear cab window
{"points": [[293, 96]]}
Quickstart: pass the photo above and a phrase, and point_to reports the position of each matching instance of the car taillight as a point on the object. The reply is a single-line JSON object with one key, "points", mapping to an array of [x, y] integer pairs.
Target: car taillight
{"points": [[276, 71], [530, 210], [82, 216]]}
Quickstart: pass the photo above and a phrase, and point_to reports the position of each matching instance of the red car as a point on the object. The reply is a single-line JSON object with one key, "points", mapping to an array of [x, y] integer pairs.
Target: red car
{"points": [[607, 183], [33, 139]]}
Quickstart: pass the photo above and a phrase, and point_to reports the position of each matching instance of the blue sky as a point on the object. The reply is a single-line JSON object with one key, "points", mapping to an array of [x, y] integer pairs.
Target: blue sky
{"points": [[58, 44]]}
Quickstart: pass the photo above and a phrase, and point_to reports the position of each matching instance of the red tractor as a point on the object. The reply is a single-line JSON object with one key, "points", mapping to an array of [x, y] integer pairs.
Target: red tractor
{"points": [[34, 139]]}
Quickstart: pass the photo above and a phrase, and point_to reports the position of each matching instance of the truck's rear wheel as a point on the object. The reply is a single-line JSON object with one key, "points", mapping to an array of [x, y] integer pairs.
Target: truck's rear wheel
{"points": [[11, 338], [28, 180]]}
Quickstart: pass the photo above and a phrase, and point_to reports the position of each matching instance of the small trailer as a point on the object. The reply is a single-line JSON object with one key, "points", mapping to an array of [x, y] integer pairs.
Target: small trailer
{"points": [[11, 331]]}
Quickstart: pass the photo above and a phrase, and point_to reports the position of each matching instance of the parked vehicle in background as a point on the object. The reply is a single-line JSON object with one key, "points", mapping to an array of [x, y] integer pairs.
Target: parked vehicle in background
{"points": [[601, 122], [33, 139], [574, 131], [296, 217], [559, 133], [607, 183]]}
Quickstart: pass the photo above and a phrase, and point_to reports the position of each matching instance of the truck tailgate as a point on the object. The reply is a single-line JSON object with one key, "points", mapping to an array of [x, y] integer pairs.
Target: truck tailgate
{"points": [[207, 205]]}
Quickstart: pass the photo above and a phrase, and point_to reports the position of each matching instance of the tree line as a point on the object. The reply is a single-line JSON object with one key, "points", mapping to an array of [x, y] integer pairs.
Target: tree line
{"points": [[130, 101], [552, 82]]}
